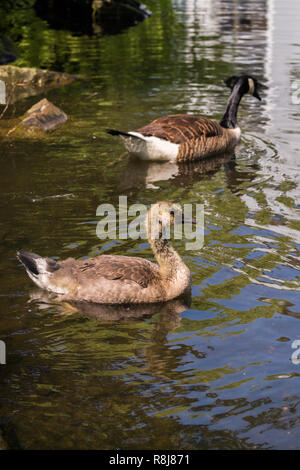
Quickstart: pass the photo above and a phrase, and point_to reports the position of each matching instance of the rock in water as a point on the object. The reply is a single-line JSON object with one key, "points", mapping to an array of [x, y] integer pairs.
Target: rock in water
{"points": [[22, 82], [44, 116]]}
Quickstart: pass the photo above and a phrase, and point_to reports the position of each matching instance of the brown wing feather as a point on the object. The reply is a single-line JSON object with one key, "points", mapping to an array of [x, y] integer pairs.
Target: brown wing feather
{"points": [[179, 128], [139, 270]]}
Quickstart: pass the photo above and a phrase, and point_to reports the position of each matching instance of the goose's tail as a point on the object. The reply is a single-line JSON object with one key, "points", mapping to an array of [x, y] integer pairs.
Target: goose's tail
{"points": [[121, 134], [38, 269], [118, 133]]}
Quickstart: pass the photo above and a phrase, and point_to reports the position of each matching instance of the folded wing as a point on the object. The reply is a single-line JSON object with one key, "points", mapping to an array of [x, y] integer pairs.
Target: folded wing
{"points": [[180, 128], [113, 267]]}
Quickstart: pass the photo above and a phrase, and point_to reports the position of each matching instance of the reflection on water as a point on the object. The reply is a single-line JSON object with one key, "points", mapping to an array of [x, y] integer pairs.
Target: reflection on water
{"points": [[141, 174], [213, 373], [110, 313]]}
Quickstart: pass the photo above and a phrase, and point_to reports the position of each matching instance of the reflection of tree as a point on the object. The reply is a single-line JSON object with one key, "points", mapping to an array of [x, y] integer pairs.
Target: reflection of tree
{"points": [[42, 46], [91, 16], [138, 387]]}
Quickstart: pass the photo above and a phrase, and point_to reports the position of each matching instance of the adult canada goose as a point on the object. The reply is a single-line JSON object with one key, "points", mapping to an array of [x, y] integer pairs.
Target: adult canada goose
{"points": [[114, 279], [183, 137]]}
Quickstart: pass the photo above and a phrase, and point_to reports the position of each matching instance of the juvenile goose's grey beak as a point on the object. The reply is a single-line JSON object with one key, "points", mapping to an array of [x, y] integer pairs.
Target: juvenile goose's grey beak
{"points": [[188, 220]]}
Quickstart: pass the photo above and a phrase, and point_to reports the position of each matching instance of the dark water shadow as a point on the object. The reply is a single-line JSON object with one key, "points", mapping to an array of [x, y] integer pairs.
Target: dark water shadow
{"points": [[91, 17]]}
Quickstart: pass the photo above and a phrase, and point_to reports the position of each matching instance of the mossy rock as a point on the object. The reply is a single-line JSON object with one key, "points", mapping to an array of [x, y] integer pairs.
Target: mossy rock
{"points": [[40, 118], [22, 82]]}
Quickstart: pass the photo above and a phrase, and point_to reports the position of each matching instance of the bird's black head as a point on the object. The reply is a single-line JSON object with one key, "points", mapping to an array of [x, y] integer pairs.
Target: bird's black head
{"points": [[246, 84]]}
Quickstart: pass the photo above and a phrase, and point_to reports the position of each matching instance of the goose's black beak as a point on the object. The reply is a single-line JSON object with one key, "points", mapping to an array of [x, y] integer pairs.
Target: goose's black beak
{"points": [[256, 94], [259, 86]]}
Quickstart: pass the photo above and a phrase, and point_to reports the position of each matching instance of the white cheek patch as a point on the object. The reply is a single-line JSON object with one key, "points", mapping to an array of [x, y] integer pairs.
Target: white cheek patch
{"points": [[251, 86]]}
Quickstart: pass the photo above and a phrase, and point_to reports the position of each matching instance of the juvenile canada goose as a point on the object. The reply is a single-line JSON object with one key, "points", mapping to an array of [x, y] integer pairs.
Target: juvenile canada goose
{"points": [[183, 137], [113, 279]]}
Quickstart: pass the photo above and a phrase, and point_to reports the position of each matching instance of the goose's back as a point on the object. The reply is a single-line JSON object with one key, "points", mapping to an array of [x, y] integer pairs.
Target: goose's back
{"points": [[196, 136], [179, 128]]}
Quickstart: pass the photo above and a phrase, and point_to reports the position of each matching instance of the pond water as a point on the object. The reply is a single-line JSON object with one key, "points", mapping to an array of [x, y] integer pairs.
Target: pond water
{"points": [[211, 372]]}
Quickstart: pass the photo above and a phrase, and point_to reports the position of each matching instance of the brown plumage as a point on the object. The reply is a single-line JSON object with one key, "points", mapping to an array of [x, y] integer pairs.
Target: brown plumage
{"points": [[197, 136], [113, 267], [183, 137], [116, 279], [179, 128]]}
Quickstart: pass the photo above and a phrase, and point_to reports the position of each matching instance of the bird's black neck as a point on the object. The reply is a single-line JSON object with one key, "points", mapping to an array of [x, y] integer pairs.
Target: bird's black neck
{"points": [[229, 120]]}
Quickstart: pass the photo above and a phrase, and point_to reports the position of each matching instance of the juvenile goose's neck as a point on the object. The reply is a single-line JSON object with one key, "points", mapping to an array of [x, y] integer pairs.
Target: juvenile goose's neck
{"points": [[229, 120], [169, 261]]}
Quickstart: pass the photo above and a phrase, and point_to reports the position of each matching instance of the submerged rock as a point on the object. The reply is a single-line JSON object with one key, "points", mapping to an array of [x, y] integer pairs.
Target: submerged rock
{"points": [[22, 82], [43, 116]]}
